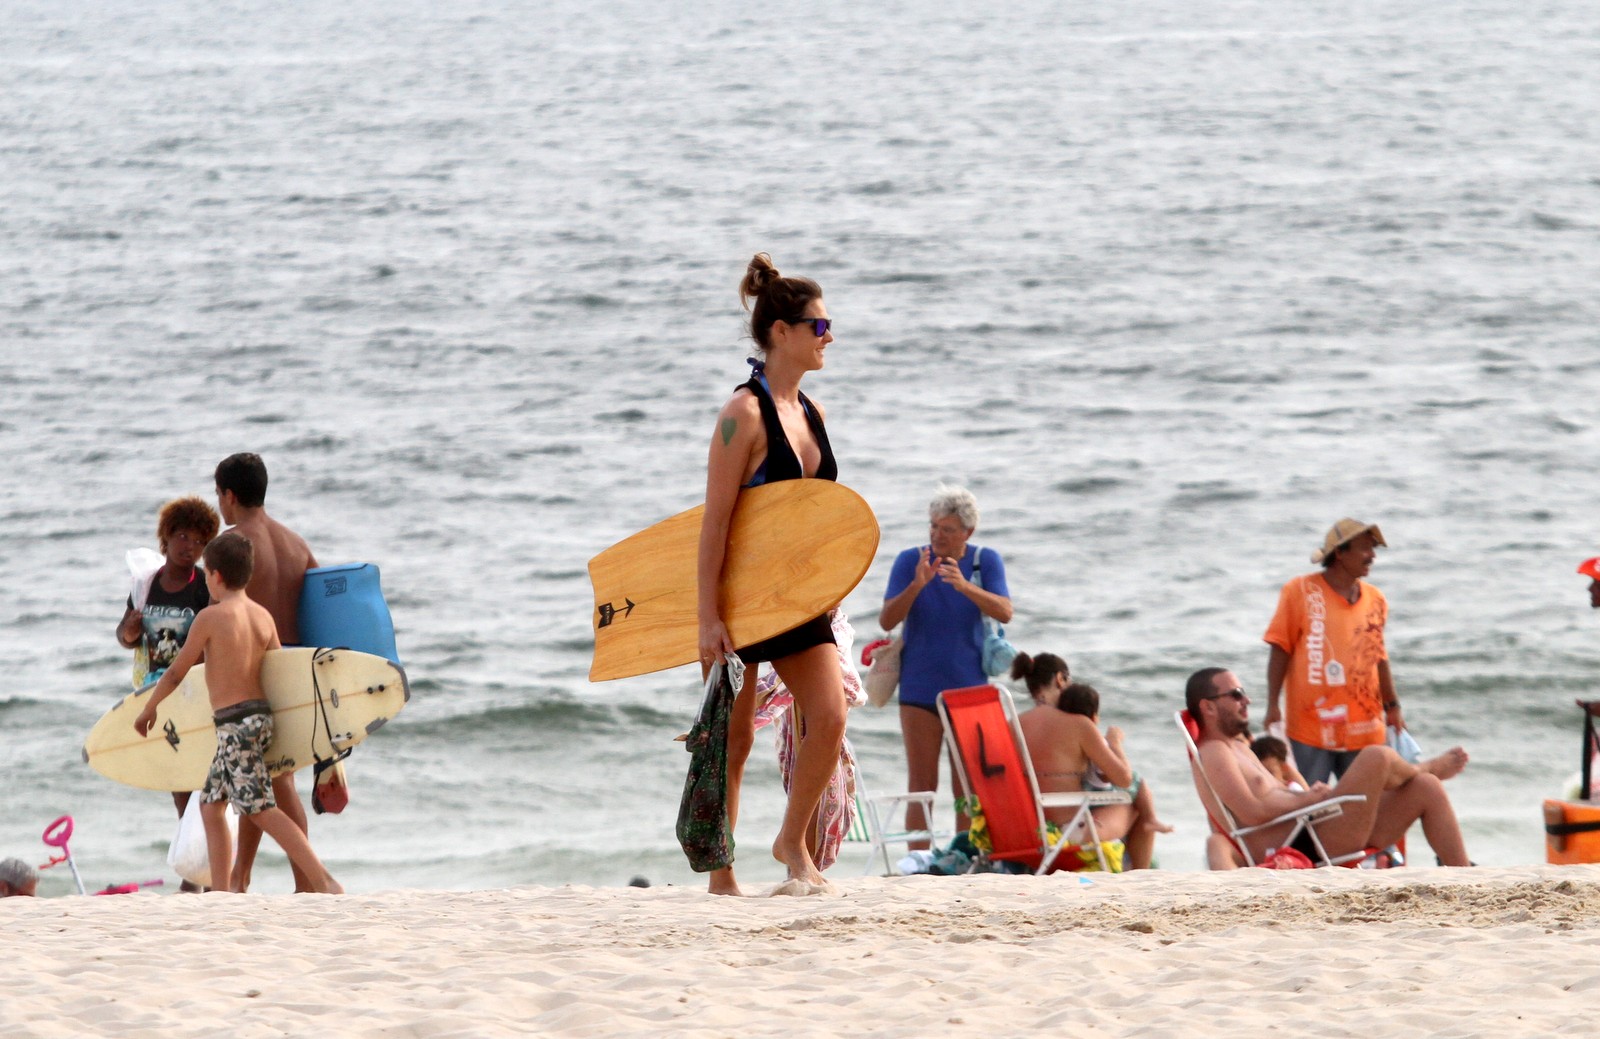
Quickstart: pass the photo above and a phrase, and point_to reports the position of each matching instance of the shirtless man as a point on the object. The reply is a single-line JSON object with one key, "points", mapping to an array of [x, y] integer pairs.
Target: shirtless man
{"points": [[282, 558], [1397, 793]]}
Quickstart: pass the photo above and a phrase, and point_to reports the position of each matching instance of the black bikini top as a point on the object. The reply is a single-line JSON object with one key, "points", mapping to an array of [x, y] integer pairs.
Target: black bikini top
{"points": [[781, 462]]}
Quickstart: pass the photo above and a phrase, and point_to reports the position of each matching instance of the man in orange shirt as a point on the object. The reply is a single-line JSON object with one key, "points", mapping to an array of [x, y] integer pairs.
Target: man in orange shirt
{"points": [[1327, 646]]}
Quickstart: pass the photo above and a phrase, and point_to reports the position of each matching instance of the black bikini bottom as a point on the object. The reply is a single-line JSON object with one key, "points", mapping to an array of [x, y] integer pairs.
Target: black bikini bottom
{"points": [[818, 631]]}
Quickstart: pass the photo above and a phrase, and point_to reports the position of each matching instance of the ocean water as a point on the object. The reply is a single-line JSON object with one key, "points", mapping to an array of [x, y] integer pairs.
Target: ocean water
{"points": [[1170, 286]]}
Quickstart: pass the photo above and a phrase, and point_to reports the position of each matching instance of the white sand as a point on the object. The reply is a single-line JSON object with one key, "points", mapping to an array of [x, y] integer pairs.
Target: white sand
{"points": [[1336, 953]]}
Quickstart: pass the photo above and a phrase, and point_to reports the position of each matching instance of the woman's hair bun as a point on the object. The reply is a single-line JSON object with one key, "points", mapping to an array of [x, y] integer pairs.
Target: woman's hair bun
{"points": [[1021, 665], [758, 276]]}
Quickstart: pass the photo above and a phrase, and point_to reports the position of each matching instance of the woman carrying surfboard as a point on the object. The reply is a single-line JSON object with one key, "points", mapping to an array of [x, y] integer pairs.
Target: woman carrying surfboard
{"points": [[766, 432]]}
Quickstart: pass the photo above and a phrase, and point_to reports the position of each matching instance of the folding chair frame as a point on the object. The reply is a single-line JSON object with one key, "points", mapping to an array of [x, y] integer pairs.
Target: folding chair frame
{"points": [[876, 812], [1305, 819]]}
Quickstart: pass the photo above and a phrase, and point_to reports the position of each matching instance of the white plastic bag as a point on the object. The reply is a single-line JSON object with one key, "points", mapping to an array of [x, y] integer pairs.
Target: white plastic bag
{"points": [[142, 565], [188, 856], [1404, 744]]}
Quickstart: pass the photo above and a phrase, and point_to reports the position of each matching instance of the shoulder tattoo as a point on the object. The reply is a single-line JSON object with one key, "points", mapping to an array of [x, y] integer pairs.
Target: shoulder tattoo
{"points": [[729, 427]]}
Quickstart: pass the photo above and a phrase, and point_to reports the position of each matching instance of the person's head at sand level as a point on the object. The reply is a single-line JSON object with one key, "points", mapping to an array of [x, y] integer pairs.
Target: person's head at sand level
{"points": [[184, 528], [230, 559], [1045, 676], [952, 519], [241, 484], [1273, 753], [788, 320], [1217, 703], [1590, 568], [1349, 548], [17, 878]]}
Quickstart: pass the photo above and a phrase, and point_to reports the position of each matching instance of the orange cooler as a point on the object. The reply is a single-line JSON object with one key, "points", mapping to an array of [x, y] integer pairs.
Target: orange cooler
{"points": [[1572, 831]]}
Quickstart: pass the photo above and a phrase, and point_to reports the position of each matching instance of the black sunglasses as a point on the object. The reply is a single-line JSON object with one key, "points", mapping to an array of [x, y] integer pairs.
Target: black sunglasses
{"points": [[820, 326], [1237, 694]]}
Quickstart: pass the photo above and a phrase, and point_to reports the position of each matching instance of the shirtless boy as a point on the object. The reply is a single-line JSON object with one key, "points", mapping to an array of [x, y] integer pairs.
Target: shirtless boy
{"points": [[234, 634], [1396, 792], [282, 558]]}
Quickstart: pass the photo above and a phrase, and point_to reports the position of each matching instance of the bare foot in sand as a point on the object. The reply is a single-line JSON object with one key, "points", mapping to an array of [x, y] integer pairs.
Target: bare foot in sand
{"points": [[721, 882], [1447, 765], [331, 887], [798, 860], [800, 888]]}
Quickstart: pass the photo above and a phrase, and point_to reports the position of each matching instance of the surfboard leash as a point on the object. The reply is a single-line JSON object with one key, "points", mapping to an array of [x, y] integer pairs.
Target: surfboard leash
{"points": [[321, 763]]}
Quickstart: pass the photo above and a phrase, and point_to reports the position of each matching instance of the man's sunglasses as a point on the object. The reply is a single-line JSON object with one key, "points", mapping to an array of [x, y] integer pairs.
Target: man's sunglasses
{"points": [[819, 325], [1237, 694]]}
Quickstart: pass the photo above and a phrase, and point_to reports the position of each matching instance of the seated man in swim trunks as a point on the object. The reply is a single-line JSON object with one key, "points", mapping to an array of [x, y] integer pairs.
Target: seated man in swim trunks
{"points": [[1397, 793], [235, 634]]}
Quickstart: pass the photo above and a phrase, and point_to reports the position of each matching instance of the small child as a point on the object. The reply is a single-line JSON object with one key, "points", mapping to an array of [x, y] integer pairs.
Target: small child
{"points": [[1274, 754], [234, 634], [1081, 699]]}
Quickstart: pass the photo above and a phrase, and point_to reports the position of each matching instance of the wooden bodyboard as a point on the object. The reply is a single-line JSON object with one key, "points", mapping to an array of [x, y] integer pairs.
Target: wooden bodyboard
{"points": [[796, 548], [358, 693]]}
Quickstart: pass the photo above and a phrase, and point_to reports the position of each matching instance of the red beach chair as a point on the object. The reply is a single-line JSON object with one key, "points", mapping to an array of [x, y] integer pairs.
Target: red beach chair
{"points": [[981, 729]]}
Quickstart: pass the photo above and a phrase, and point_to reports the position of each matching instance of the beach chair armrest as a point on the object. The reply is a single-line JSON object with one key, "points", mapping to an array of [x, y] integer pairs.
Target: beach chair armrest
{"points": [[1313, 813], [922, 797], [883, 808], [1078, 798]]}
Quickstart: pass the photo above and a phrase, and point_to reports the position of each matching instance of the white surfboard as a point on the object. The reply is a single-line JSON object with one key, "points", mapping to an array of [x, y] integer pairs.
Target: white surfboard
{"points": [[323, 700]]}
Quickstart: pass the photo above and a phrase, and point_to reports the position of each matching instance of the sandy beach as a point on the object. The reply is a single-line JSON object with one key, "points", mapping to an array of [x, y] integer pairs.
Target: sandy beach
{"points": [[1337, 952]]}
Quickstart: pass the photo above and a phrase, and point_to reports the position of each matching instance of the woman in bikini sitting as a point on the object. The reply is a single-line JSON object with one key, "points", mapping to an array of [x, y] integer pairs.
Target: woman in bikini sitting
{"points": [[769, 431], [1069, 753]]}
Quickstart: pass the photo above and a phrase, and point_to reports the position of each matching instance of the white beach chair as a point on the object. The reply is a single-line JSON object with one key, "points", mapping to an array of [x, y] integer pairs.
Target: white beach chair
{"points": [[880, 822], [1304, 819]]}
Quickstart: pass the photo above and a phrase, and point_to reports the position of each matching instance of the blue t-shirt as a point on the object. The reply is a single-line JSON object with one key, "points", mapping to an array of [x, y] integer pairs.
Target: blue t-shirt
{"points": [[944, 630]]}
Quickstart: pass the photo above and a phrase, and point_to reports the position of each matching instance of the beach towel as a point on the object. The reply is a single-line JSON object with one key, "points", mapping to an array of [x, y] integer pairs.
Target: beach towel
{"points": [[774, 706], [703, 828]]}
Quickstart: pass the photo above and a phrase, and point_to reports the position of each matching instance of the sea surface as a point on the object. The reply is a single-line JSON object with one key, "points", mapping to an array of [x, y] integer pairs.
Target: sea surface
{"points": [[1170, 286]]}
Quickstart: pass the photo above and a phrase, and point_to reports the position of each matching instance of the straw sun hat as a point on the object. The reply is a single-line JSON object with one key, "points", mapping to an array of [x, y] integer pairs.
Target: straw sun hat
{"points": [[1341, 534]]}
